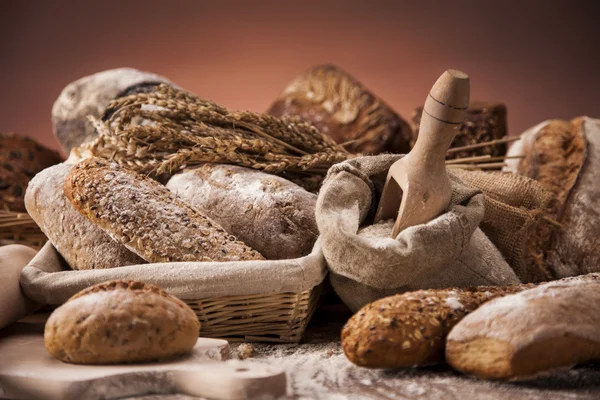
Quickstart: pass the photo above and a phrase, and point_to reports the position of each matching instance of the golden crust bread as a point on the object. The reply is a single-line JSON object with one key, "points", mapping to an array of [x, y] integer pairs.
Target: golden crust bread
{"points": [[147, 218], [120, 322]]}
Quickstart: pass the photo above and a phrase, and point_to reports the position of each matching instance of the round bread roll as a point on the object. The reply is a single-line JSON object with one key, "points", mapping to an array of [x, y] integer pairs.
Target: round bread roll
{"points": [[121, 322], [82, 244], [89, 96], [270, 214]]}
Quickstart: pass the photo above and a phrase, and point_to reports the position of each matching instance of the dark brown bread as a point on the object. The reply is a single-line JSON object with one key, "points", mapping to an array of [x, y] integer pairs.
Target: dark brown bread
{"points": [[120, 322], [147, 218], [342, 108], [21, 158], [484, 122], [410, 329]]}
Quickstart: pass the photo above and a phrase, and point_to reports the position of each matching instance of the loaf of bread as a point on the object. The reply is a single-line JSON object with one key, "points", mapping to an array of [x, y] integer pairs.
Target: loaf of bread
{"points": [[270, 214], [147, 218], [13, 303], [484, 121], [410, 329], [20, 159], [89, 96], [553, 326], [342, 108], [120, 322], [82, 244], [564, 156]]}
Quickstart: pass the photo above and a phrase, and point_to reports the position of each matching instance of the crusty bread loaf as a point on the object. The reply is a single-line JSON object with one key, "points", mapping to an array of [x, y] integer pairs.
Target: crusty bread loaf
{"points": [[147, 218], [20, 159], [564, 156], [410, 329], [120, 322], [81, 243], [552, 326], [270, 214], [342, 108], [90, 95]]}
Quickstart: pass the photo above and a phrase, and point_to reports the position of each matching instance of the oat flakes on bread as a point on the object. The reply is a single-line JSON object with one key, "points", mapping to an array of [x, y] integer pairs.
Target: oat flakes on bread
{"points": [[535, 332], [270, 214], [147, 218], [121, 322], [82, 244]]}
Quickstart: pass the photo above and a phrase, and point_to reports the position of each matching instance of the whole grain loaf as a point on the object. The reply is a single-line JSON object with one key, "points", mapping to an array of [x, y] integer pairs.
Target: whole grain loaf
{"points": [[147, 218], [120, 322], [270, 214]]}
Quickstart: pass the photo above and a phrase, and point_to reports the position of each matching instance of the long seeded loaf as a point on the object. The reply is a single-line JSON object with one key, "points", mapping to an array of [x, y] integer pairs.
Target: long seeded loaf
{"points": [[81, 243], [270, 214], [553, 326], [147, 218]]}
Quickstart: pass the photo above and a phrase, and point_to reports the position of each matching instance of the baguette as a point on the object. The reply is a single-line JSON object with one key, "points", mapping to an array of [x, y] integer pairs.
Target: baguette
{"points": [[147, 218], [553, 326]]}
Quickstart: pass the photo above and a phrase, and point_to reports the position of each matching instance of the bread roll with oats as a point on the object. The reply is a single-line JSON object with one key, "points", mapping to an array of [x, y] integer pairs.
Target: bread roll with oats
{"points": [[147, 218], [270, 214], [120, 322], [553, 326], [82, 244]]}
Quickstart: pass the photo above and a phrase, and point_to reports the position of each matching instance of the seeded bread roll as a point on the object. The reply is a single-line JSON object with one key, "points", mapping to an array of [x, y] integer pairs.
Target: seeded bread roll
{"points": [[537, 331], [342, 108], [81, 243], [20, 159], [90, 95], [120, 322], [410, 329], [270, 214], [147, 218]]}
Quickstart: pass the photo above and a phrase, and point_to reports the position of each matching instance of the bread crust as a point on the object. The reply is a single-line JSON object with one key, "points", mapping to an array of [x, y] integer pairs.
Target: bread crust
{"points": [[82, 244], [121, 322], [269, 213], [147, 218]]}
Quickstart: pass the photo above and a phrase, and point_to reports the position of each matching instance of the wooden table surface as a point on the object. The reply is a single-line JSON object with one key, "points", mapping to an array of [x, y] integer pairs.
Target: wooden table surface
{"points": [[318, 369]]}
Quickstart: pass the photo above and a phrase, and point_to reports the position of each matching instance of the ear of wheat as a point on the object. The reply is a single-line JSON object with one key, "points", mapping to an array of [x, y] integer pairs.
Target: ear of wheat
{"points": [[167, 129]]}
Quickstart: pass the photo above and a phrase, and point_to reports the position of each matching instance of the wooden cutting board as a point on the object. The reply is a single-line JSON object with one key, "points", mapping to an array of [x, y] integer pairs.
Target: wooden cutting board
{"points": [[27, 371]]}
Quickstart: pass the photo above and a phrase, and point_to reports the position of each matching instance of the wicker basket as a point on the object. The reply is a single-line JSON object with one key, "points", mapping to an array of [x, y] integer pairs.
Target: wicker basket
{"points": [[19, 228]]}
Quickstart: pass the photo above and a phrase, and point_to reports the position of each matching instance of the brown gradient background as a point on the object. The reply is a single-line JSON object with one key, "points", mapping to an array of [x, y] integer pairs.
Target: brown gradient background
{"points": [[539, 57]]}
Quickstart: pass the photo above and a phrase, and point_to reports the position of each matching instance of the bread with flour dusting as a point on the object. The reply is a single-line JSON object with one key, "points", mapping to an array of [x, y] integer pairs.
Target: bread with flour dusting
{"points": [[81, 243], [147, 218], [270, 214], [555, 325]]}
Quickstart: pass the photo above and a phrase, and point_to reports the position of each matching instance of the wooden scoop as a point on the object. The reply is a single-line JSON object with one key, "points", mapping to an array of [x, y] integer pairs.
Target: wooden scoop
{"points": [[417, 188]]}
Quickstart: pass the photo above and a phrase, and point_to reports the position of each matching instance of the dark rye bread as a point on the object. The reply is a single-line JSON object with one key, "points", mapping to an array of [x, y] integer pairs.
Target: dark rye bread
{"points": [[82, 244], [484, 121], [342, 108], [20, 159], [121, 322], [147, 218], [271, 214], [553, 326], [410, 329]]}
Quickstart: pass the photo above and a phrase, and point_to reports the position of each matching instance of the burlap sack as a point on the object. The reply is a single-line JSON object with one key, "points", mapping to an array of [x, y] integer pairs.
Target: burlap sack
{"points": [[47, 278], [450, 251], [513, 220]]}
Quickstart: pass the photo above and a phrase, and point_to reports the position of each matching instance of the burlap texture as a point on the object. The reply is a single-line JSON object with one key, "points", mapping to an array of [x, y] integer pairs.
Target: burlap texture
{"points": [[48, 279], [449, 251], [513, 220]]}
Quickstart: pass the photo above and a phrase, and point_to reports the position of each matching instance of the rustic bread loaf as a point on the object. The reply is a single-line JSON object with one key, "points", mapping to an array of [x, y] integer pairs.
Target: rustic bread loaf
{"points": [[552, 326], [20, 159], [89, 96], [564, 156], [270, 214], [120, 322], [484, 121], [342, 108], [147, 218], [410, 329]]}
